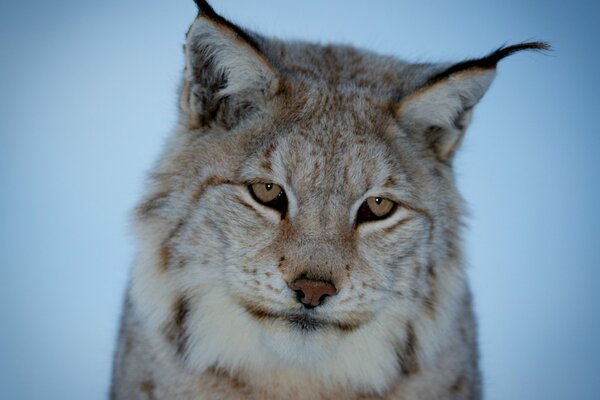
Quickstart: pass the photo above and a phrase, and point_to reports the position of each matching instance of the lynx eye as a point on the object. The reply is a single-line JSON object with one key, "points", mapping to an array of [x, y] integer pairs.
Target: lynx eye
{"points": [[270, 195], [375, 208]]}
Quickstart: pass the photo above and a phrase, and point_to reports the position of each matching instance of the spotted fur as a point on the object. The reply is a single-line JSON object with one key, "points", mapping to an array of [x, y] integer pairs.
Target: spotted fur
{"points": [[210, 313]]}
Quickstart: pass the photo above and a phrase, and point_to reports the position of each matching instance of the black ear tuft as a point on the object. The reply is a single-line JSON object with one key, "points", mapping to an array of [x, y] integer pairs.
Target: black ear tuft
{"points": [[488, 62]]}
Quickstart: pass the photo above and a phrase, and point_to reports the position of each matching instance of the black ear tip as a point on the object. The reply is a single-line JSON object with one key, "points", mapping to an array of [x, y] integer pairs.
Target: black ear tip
{"points": [[201, 3], [205, 8]]}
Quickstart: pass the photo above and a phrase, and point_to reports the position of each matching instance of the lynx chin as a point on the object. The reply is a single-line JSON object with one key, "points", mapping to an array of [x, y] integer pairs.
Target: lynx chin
{"points": [[299, 237]]}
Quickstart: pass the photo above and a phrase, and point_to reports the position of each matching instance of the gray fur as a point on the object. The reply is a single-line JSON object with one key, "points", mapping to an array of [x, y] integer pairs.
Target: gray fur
{"points": [[209, 309]]}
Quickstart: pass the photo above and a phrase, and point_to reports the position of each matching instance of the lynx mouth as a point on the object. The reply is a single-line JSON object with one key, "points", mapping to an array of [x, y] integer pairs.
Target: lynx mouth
{"points": [[302, 321]]}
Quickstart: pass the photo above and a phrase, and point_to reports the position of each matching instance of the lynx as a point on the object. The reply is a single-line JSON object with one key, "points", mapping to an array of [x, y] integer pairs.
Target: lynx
{"points": [[300, 234]]}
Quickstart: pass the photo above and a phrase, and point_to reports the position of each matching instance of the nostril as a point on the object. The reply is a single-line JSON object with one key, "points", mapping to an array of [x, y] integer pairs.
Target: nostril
{"points": [[300, 296], [311, 293]]}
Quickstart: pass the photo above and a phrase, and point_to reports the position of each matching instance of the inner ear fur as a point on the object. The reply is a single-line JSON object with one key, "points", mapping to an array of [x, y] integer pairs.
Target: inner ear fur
{"points": [[440, 109]]}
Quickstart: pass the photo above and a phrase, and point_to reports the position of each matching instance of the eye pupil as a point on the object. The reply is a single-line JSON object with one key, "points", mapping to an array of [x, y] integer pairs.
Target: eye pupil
{"points": [[378, 200], [269, 186]]}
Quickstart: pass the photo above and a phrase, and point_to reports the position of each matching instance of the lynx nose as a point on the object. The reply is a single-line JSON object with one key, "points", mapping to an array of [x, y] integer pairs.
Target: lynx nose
{"points": [[311, 292]]}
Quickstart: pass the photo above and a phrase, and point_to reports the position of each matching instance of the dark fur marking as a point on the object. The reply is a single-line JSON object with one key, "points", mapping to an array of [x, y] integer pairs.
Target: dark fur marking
{"points": [[346, 173], [269, 151], [281, 261], [432, 298], [224, 376], [452, 244], [175, 330], [390, 182], [459, 385], [147, 387], [315, 174], [166, 254], [407, 355], [165, 257], [266, 165], [150, 206], [272, 289]]}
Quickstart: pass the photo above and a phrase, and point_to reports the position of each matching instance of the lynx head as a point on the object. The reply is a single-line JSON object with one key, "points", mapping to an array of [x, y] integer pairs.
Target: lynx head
{"points": [[304, 213]]}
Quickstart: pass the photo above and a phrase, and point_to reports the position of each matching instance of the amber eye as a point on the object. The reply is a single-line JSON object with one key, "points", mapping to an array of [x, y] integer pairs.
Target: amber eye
{"points": [[375, 208], [270, 195]]}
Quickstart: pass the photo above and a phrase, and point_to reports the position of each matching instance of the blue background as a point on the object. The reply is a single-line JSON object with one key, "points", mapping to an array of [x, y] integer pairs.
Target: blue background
{"points": [[87, 97]]}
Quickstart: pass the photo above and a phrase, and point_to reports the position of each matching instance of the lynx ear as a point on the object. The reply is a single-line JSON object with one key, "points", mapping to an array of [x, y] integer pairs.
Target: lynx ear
{"points": [[227, 77], [441, 108]]}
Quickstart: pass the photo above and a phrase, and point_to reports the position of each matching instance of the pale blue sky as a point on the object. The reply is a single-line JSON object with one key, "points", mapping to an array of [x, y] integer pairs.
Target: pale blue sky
{"points": [[87, 97]]}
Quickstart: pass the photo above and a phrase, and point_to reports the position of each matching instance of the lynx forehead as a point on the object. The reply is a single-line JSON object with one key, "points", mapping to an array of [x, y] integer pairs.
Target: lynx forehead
{"points": [[300, 234]]}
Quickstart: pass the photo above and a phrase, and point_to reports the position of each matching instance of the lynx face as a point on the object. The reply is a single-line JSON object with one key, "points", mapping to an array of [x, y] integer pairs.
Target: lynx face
{"points": [[303, 216], [331, 170], [318, 224]]}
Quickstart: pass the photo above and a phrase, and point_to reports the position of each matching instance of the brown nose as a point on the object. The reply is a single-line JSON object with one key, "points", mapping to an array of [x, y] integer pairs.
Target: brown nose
{"points": [[311, 293]]}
